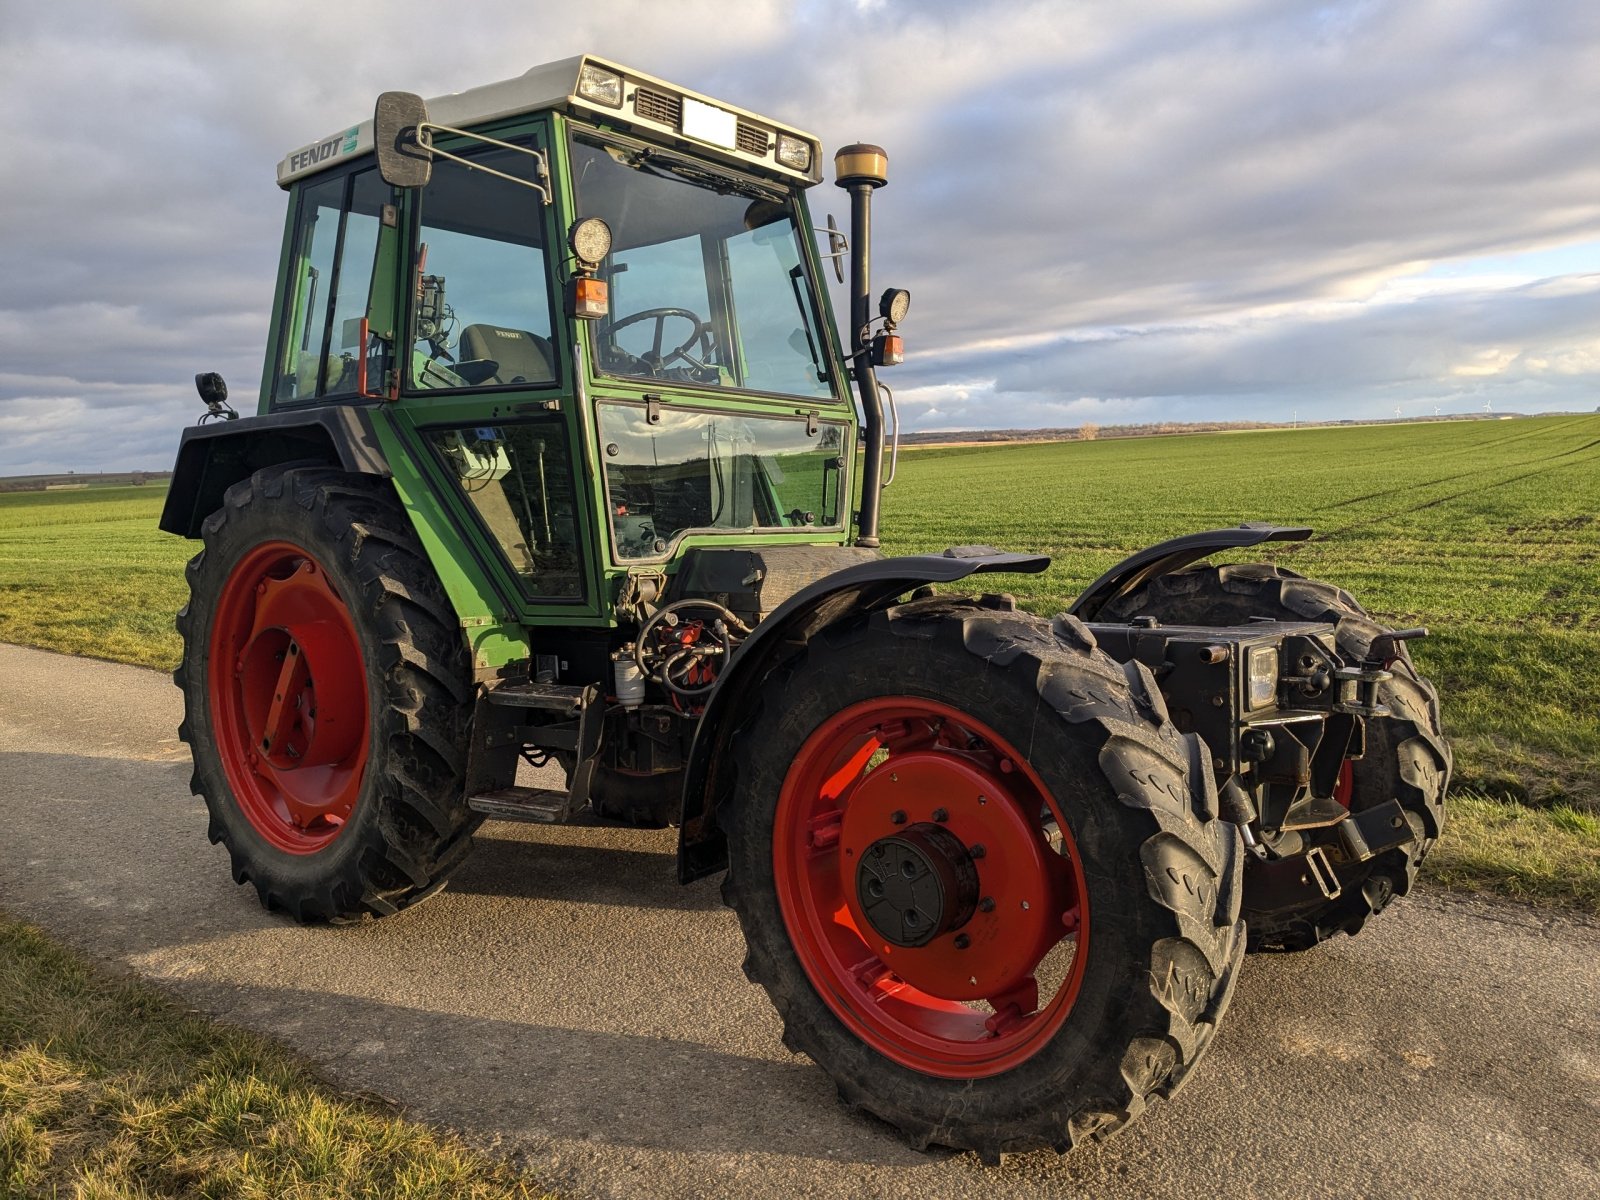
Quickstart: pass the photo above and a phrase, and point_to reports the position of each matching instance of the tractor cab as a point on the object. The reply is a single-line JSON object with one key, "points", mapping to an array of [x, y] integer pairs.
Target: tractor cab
{"points": [[589, 306]]}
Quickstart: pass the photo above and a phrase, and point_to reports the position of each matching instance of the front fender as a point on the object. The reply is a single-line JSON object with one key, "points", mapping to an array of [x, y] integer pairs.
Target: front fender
{"points": [[1166, 557], [215, 456], [702, 848]]}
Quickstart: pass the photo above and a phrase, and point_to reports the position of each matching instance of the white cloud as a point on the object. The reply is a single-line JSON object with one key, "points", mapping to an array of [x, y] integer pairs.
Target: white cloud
{"points": [[1199, 208]]}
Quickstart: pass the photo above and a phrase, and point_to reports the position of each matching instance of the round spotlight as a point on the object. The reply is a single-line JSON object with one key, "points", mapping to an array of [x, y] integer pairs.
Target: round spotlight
{"points": [[590, 240], [893, 305]]}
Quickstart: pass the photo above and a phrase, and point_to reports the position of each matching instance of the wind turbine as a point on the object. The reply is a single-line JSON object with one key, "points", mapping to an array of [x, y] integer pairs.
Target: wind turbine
{"points": [[1488, 406]]}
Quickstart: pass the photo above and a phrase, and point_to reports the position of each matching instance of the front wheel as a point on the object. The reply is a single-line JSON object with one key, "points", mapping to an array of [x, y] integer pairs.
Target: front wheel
{"points": [[981, 877], [327, 697]]}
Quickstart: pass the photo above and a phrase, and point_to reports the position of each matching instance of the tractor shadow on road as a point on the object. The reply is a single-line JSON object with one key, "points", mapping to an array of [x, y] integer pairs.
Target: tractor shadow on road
{"points": [[548, 1086], [581, 864]]}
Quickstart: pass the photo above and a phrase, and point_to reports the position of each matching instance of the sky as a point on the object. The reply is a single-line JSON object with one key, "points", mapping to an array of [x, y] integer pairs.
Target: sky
{"points": [[1105, 212]]}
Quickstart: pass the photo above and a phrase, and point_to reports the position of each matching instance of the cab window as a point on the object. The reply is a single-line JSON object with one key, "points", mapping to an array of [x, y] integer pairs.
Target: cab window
{"points": [[337, 277], [481, 313]]}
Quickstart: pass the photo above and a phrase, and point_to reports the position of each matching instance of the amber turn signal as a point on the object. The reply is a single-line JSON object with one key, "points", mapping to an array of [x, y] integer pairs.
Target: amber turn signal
{"points": [[591, 297]]}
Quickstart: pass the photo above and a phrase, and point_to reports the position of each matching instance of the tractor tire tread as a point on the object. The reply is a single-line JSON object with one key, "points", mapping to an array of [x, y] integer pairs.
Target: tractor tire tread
{"points": [[422, 827], [1192, 865]]}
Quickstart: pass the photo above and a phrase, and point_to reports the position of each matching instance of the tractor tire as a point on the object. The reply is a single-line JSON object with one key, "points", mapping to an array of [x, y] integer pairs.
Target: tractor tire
{"points": [[1407, 757], [327, 697], [1023, 1026]]}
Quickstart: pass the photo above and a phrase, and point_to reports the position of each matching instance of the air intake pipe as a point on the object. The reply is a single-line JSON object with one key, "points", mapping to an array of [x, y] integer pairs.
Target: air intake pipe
{"points": [[860, 170]]}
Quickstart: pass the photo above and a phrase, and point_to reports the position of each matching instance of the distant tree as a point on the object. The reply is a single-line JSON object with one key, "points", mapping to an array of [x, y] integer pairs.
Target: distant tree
{"points": [[1088, 431]]}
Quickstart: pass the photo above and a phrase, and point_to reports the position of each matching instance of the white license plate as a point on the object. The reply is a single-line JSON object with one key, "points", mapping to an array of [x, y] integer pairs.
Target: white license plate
{"points": [[706, 123]]}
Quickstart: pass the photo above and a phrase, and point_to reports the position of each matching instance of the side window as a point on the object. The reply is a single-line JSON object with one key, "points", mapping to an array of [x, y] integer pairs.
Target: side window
{"points": [[336, 263], [518, 478], [482, 305]]}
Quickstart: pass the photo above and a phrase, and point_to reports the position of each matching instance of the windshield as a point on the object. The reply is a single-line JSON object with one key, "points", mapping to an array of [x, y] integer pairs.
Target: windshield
{"points": [[690, 471], [707, 282]]}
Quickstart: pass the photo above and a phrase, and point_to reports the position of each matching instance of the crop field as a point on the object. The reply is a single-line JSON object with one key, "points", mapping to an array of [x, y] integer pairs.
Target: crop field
{"points": [[1487, 532]]}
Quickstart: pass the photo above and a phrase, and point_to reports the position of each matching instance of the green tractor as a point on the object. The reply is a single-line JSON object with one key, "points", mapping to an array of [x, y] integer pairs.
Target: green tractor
{"points": [[560, 460]]}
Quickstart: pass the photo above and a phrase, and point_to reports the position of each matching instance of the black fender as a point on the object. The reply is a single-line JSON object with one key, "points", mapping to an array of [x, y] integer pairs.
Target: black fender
{"points": [[1166, 557], [215, 456], [702, 848]]}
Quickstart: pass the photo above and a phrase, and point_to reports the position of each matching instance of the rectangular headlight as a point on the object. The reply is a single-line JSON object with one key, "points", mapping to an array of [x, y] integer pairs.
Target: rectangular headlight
{"points": [[600, 85], [1262, 676], [794, 153]]}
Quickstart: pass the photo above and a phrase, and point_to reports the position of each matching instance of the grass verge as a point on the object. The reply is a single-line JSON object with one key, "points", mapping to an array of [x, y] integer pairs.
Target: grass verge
{"points": [[109, 1090], [1543, 855]]}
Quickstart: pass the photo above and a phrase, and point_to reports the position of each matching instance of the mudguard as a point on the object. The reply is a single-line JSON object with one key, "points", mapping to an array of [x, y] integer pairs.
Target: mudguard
{"points": [[215, 456], [1166, 557], [702, 848]]}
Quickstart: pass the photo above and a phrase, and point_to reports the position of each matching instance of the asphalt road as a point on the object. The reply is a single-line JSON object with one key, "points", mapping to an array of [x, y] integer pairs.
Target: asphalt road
{"points": [[566, 1002]]}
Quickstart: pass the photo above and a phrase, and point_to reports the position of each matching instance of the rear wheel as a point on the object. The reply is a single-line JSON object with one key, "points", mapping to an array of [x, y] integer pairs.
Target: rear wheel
{"points": [[981, 877], [327, 697], [1407, 757]]}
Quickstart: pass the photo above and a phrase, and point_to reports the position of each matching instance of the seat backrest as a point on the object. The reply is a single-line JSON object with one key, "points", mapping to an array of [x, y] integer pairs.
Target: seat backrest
{"points": [[520, 356]]}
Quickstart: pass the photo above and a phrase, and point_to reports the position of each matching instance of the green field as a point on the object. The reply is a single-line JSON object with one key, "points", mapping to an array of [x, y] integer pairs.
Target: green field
{"points": [[1488, 532]]}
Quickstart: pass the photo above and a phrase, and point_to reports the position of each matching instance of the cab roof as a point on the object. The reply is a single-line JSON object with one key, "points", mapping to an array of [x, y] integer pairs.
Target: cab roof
{"points": [[647, 104]]}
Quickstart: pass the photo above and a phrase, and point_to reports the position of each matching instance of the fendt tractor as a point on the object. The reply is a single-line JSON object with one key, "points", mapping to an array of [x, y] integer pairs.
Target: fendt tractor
{"points": [[561, 461]]}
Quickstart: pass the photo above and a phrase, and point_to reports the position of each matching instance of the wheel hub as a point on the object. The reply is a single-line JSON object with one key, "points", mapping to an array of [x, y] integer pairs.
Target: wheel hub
{"points": [[917, 884], [288, 691], [926, 878]]}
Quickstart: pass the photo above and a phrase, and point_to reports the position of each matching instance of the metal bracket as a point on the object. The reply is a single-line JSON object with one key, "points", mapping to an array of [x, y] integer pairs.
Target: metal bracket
{"points": [[425, 130], [1368, 833], [652, 410], [1321, 871]]}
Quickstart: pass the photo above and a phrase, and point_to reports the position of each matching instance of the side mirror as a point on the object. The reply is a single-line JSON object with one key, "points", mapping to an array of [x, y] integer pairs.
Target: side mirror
{"points": [[837, 246], [402, 159]]}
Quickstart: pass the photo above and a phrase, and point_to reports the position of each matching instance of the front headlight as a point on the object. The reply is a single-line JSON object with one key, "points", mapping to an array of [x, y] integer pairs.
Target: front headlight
{"points": [[1262, 675], [600, 85], [794, 152]]}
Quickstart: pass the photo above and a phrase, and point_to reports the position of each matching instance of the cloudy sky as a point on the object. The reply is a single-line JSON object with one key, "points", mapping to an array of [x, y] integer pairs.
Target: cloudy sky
{"points": [[1185, 209]]}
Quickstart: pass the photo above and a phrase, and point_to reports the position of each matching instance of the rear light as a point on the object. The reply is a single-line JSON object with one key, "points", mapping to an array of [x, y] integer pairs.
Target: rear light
{"points": [[888, 350]]}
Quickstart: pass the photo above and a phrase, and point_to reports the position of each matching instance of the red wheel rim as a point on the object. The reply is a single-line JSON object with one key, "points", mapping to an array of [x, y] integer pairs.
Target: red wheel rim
{"points": [[970, 1002], [288, 691]]}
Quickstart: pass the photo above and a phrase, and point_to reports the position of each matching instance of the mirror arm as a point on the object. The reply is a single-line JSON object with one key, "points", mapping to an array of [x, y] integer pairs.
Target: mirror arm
{"points": [[424, 135]]}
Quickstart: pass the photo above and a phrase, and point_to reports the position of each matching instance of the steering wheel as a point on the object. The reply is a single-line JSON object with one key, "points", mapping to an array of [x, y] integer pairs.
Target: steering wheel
{"points": [[654, 359]]}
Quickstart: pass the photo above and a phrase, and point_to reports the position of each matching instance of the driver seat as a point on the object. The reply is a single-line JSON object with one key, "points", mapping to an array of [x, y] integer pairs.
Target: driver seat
{"points": [[516, 355]]}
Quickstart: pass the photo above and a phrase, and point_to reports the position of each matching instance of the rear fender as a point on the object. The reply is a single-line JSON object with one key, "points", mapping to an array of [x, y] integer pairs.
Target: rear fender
{"points": [[215, 456], [1166, 557], [708, 782]]}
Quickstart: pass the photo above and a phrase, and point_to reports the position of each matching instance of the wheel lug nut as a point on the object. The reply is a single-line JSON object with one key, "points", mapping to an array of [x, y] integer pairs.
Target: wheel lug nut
{"points": [[978, 850], [941, 815], [986, 904], [962, 941], [897, 817]]}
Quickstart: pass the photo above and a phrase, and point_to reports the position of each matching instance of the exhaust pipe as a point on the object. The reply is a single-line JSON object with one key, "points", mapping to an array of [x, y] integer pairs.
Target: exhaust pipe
{"points": [[860, 170]]}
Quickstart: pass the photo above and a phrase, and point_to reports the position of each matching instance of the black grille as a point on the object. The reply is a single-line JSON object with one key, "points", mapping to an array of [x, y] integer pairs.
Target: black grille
{"points": [[657, 106], [752, 140]]}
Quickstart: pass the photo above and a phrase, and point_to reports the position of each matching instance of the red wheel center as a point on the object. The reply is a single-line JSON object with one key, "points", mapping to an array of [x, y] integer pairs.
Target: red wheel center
{"points": [[928, 883], [288, 697], [1019, 873]]}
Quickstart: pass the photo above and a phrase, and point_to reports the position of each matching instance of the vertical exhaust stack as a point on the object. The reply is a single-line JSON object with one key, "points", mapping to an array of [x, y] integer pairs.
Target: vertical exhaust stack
{"points": [[860, 170]]}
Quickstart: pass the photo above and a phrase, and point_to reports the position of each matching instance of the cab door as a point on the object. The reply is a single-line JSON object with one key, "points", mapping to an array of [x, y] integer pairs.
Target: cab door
{"points": [[483, 371]]}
